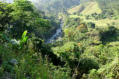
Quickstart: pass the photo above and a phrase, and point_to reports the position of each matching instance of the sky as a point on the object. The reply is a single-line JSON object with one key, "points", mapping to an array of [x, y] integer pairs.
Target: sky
{"points": [[9, 1]]}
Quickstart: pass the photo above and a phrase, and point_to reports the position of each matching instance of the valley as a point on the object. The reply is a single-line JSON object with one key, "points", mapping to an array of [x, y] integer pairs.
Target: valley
{"points": [[59, 39]]}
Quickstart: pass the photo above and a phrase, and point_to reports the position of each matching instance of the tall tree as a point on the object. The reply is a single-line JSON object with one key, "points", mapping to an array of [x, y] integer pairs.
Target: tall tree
{"points": [[5, 10], [25, 17]]}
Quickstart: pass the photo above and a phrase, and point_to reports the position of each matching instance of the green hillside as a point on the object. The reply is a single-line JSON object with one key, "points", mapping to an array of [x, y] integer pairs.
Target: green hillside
{"points": [[55, 6], [89, 11], [110, 6], [59, 39], [87, 8]]}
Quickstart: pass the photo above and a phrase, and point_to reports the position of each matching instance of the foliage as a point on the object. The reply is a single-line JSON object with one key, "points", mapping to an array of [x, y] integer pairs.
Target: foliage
{"points": [[111, 34], [103, 72], [24, 38], [87, 50], [69, 51], [74, 22], [5, 10], [90, 25], [87, 64], [30, 65], [22, 15], [26, 18]]}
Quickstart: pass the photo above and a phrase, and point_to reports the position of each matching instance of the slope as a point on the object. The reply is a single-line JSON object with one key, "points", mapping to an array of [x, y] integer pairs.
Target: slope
{"points": [[91, 11], [86, 8], [55, 6]]}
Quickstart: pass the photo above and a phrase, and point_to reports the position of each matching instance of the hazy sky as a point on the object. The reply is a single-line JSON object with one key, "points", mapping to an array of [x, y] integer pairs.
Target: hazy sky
{"points": [[13, 0], [7, 0]]}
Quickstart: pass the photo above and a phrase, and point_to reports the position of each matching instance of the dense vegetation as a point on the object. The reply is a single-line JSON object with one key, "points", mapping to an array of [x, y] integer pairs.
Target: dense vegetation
{"points": [[88, 48]]}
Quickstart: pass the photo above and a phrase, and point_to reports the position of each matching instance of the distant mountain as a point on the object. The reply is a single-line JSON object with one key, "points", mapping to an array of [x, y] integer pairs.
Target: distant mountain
{"points": [[55, 6], [52, 6], [109, 5], [88, 7]]}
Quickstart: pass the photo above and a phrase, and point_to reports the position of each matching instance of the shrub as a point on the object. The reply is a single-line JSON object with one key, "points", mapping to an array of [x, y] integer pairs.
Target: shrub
{"points": [[86, 64], [69, 51], [108, 71], [91, 25], [82, 27], [109, 35], [30, 65]]}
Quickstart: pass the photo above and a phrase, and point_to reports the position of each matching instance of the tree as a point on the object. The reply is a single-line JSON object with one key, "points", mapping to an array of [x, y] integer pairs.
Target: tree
{"points": [[5, 10], [25, 17]]}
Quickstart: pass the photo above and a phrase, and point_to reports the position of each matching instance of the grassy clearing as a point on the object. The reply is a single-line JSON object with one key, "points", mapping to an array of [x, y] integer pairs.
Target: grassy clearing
{"points": [[86, 8]]}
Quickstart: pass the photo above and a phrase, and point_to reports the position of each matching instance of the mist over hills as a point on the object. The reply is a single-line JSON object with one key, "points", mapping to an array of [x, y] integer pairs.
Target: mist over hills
{"points": [[52, 6], [55, 6], [106, 6], [109, 5]]}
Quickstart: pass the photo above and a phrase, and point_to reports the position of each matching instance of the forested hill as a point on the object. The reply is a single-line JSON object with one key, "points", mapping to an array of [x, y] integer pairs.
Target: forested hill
{"points": [[55, 6], [110, 6], [59, 39]]}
